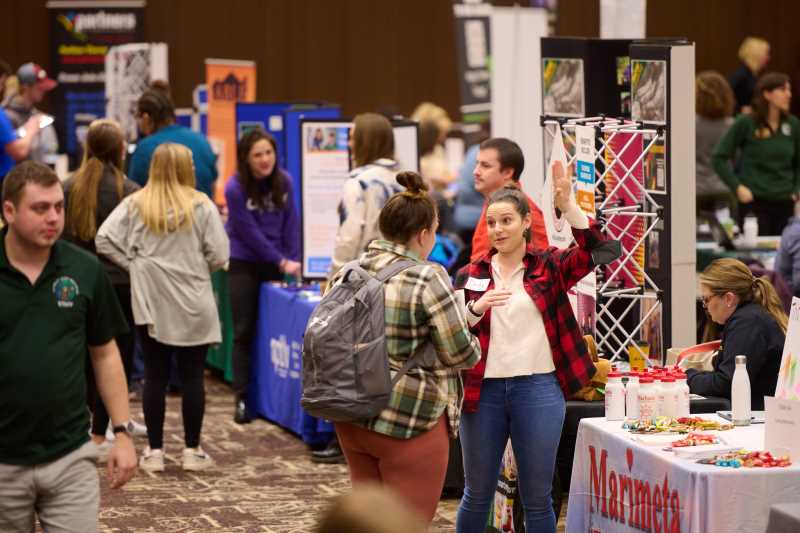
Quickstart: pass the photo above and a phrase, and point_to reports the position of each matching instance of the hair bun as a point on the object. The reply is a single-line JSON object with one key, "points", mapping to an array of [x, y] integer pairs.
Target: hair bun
{"points": [[412, 181]]}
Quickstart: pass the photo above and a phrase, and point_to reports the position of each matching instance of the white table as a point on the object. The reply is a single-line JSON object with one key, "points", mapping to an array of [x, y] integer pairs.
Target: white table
{"points": [[687, 496]]}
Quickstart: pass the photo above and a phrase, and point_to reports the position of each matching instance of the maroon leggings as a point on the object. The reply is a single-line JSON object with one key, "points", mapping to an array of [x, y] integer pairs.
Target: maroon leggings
{"points": [[414, 468]]}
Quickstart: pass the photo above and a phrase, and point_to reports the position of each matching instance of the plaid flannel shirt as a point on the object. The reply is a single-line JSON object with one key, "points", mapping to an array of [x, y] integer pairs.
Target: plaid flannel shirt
{"points": [[420, 306], [549, 274]]}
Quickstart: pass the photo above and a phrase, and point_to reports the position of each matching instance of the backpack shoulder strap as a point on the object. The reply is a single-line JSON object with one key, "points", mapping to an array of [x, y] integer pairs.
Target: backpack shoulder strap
{"points": [[392, 269]]}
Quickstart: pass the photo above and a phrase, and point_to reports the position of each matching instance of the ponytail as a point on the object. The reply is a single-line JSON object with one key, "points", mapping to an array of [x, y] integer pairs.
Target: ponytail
{"points": [[764, 294]]}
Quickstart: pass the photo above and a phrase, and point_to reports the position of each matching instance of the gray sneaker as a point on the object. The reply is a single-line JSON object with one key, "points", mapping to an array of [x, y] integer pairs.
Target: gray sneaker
{"points": [[195, 459], [152, 460]]}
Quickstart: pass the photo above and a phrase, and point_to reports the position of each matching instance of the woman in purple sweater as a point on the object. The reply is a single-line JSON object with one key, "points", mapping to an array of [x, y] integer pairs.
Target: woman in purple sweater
{"points": [[263, 228]]}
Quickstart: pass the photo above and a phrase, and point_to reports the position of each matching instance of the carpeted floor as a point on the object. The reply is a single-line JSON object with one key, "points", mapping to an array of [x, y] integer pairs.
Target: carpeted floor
{"points": [[264, 481]]}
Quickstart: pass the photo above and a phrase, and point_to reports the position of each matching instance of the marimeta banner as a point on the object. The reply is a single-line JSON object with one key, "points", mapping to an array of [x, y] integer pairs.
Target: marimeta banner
{"points": [[474, 58], [81, 33]]}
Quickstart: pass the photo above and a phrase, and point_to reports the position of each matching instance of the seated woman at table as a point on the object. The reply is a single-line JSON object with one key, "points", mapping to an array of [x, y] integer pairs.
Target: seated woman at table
{"points": [[263, 227], [533, 352], [406, 446], [753, 324], [170, 238]]}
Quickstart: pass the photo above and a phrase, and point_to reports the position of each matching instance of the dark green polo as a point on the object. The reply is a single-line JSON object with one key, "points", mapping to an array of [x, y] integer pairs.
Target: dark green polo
{"points": [[45, 329]]}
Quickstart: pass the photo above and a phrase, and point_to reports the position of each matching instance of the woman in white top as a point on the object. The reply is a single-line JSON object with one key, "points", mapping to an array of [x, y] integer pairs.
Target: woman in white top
{"points": [[170, 238], [533, 353]]}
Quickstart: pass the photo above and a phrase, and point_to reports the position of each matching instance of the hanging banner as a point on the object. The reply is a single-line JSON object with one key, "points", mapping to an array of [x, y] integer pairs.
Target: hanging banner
{"points": [[474, 57], [228, 81], [80, 35], [559, 232]]}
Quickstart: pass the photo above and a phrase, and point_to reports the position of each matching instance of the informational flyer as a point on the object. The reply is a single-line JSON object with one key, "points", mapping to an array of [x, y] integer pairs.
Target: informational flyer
{"points": [[406, 145], [585, 154], [325, 168], [788, 387]]}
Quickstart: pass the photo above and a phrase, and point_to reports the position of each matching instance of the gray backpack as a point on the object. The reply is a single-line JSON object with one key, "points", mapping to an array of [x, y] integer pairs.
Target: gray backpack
{"points": [[345, 362]]}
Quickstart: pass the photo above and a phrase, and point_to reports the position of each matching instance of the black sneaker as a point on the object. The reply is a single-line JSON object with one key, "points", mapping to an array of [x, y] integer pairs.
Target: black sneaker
{"points": [[240, 415], [331, 454]]}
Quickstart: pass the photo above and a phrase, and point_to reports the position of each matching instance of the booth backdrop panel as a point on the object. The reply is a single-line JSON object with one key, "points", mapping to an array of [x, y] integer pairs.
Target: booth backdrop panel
{"points": [[270, 117], [277, 384], [294, 147]]}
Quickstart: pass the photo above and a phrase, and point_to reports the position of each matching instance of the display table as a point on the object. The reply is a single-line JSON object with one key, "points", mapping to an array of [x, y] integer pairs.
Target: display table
{"points": [[684, 495], [577, 410], [276, 387]]}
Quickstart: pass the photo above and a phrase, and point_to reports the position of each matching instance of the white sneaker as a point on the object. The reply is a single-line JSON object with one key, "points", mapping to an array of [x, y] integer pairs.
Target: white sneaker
{"points": [[195, 459], [152, 460]]}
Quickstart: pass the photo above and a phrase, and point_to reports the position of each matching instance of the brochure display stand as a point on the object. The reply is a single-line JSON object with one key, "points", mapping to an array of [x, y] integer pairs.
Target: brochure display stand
{"points": [[643, 195]]}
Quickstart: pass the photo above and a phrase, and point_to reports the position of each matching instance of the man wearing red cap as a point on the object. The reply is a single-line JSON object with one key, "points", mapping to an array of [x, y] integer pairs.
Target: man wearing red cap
{"points": [[33, 85]]}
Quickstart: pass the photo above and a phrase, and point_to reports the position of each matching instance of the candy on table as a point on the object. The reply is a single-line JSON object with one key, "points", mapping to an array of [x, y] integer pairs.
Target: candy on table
{"points": [[743, 458], [695, 439]]}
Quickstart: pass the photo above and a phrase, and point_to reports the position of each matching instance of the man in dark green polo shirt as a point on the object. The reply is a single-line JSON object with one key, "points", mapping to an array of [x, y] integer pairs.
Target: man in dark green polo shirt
{"points": [[56, 304]]}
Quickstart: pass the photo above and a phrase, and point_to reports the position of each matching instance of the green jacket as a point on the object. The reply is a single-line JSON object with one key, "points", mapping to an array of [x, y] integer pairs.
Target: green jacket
{"points": [[770, 167]]}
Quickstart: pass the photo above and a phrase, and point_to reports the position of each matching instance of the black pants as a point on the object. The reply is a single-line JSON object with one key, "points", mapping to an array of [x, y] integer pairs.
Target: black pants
{"points": [[125, 343], [191, 362], [244, 280], [772, 215]]}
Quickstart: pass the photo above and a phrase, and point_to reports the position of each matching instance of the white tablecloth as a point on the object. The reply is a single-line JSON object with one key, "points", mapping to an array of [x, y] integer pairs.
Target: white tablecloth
{"points": [[690, 497]]}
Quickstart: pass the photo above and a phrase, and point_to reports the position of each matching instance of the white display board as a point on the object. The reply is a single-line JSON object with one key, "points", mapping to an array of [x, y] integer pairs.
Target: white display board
{"points": [[517, 86], [130, 68], [324, 169], [623, 19]]}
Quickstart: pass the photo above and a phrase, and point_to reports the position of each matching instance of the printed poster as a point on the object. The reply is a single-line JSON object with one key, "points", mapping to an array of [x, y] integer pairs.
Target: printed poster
{"points": [[228, 81], [649, 88], [788, 387], [325, 168], [81, 34], [562, 89], [654, 165]]}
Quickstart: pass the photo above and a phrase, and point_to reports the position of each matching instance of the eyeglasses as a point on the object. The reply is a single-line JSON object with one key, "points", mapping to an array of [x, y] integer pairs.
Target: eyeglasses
{"points": [[705, 299]]}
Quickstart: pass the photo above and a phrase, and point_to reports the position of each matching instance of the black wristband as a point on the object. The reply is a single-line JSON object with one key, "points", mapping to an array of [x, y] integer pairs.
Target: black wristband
{"points": [[471, 310]]}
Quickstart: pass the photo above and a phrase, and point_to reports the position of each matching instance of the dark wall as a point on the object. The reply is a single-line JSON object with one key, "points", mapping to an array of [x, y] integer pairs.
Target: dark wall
{"points": [[365, 54]]}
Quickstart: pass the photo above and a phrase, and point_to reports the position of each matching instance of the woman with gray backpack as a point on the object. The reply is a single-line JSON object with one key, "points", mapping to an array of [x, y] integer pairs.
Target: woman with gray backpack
{"points": [[425, 336]]}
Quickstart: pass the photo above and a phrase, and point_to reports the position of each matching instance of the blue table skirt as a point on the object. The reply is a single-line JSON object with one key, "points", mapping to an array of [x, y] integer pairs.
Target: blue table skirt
{"points": [[278, 364]]}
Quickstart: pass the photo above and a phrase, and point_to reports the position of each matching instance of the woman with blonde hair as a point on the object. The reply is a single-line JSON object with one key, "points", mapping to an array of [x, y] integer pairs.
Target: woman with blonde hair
{"points": [[434, 124], [90, 196], [170, 238], [714, 103], [753, 324], [753, 57]]}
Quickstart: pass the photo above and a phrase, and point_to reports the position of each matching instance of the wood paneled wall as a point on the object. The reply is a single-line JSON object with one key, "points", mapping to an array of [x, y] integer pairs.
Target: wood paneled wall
{"points": [[367, 54]]}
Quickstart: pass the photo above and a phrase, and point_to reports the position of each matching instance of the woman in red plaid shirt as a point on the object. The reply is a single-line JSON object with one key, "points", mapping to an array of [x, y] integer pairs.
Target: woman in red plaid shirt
{"points": [[533, 353]]}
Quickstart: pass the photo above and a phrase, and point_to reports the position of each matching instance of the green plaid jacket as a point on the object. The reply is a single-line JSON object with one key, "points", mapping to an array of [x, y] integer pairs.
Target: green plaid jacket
{"points": [[421, 306]]}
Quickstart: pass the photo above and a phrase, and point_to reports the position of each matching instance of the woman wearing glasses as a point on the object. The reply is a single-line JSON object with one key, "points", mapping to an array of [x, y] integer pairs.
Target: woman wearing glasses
{"points": [[753, 324]]}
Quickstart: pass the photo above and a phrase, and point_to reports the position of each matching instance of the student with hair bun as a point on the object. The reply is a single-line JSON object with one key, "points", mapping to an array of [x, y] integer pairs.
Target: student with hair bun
{"points": [[406, 446], [155, 118], [533, 352]]}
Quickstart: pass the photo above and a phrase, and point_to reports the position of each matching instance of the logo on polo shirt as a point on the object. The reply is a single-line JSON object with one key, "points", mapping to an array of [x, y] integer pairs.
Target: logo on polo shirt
{"points": [[65, 290]]}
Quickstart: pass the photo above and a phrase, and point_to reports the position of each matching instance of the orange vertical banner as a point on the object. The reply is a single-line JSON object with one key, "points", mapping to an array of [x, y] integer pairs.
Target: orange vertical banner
{"points": [[228, 81]]}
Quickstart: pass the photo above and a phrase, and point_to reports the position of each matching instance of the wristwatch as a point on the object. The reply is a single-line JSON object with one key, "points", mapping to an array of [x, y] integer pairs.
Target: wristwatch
{"points": [[471, 310], [122, 428]]}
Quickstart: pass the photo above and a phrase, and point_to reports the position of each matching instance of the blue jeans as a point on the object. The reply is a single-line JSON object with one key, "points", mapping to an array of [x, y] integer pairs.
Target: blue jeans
{"points": [[530, 410]]}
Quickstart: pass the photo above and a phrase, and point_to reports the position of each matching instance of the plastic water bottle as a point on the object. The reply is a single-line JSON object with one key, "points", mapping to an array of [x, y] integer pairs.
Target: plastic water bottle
{"points": [[750, 229], [615, 397], [669, 395], [647, 399], [740, 393], [659, 394], [682, 389], [632, 396]]}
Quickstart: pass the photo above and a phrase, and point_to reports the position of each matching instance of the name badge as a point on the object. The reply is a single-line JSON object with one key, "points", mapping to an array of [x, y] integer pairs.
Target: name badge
{"points": [[786, 129], [477, 285]]}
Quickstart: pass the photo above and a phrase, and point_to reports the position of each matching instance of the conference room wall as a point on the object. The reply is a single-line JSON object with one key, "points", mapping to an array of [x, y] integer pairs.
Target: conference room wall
{"points": [[364, 54]]}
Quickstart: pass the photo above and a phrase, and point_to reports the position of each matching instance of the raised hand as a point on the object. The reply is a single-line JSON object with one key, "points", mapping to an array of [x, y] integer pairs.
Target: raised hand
{"points": [[562, 186]]}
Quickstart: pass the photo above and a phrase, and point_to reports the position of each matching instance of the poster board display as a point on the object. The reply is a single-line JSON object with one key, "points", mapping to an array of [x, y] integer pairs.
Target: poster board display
{"points": [[649, 91], [80, 36], [563, 87], [325, 167], [228, 81], [473, 53], [406, 144]]}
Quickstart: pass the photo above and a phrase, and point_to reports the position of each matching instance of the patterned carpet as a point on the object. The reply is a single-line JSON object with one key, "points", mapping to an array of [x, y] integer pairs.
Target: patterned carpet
{"points": [[264, 480]]}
